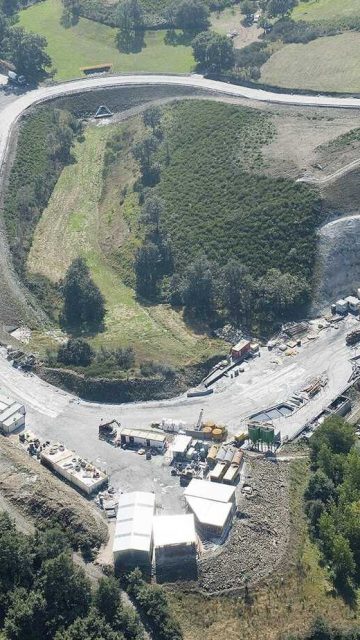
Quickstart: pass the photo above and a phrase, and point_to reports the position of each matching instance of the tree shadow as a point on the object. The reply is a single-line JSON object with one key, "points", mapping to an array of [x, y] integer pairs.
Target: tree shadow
{"points": [[130, 41], [174, 38]]}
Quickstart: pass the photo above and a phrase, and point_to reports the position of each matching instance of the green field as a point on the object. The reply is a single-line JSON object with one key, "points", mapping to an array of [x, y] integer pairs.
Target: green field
{"points": [[90, 43], [79, 220], [326, 10], [325, 64]]}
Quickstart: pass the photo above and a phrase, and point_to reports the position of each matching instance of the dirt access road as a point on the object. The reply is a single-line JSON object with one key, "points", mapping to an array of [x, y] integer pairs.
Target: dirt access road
{"points": [[57, 415]]}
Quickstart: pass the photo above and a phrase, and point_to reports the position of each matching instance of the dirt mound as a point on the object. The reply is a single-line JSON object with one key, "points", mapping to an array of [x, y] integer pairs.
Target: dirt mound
{"points": [[37, 493], [260, 534]]}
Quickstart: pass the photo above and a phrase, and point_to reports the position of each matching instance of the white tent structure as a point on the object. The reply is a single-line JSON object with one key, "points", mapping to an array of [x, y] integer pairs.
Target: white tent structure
{"points": [[133, 533]]}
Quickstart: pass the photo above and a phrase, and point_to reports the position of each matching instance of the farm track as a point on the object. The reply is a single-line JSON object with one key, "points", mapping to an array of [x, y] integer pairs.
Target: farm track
{"points": [[339, 173]]}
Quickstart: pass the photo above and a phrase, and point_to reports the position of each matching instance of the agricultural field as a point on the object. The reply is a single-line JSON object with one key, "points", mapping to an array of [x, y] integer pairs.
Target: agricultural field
{"points": [[326, 64], [315, 10], [84, 217], [90, 43]]}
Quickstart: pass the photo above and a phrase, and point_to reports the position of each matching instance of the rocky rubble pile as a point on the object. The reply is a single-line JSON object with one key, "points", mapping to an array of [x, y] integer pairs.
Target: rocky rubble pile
{"points": [[260, 533]]}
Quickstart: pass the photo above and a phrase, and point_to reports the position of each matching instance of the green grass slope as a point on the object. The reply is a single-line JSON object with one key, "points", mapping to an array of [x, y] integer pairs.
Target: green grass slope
{"points": [[315, 10], [325, 64], [90, 43], [217, 204]]}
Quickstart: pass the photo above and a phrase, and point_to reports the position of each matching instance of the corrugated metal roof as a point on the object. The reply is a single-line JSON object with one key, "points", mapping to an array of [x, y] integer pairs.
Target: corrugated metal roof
{"points": [[174, 530], [210, 512], [133, 531], [140, 433], [209, 490]]}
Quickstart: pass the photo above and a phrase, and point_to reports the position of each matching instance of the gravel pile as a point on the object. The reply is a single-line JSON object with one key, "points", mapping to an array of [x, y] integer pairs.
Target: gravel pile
{"points": [[260, 533], [229, 334]]}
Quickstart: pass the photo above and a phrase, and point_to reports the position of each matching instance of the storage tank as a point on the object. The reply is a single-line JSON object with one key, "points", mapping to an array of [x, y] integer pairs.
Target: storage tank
{"points": [[206, 430], [210, 424], [254, 432], [211, 456], [267, 434], [217, 434], [220, 457], [229, 455], [237, 458]]}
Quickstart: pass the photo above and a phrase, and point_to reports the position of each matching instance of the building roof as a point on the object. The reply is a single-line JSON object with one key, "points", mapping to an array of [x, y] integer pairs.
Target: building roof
{"points": [[210, 512], [141, 433], [134, 522], [65, 461], [12, 419], [174, 530], [241, 344], [181, 444], [352, 300], [209, 490]]}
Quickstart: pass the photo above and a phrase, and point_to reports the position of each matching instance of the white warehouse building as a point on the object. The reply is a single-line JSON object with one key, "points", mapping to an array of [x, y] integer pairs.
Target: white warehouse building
{"points": [[133, 542], [213, 506], [12, 414]]}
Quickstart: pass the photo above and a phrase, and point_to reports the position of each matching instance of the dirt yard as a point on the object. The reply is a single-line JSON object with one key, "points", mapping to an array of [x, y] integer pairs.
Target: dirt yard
{"points": [[260, 534]]}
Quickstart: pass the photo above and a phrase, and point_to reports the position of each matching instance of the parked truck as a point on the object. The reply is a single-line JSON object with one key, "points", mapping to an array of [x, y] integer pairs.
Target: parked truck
{"points": [[109, 431]]}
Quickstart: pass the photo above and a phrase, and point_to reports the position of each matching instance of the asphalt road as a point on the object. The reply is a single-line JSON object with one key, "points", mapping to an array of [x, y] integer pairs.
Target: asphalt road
{"points": [[10, 114]]}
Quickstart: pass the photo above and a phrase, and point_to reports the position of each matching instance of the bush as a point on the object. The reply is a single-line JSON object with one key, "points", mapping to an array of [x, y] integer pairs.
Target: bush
{"points": [[75, 352]]}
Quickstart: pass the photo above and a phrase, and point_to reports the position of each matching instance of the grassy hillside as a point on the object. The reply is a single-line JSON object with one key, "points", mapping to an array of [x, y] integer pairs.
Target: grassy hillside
{"points": [[218, 202], [314, 10], [90, 43], [89, 218], [325, 64]]}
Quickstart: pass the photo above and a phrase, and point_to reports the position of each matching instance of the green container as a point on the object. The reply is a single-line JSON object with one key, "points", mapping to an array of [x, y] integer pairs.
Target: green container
{"points": [[254, 432], [267, 434]]}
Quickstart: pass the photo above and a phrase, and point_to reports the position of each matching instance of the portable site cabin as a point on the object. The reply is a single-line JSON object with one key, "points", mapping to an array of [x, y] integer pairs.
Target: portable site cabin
{"points": [[180, 446], [12, 414], [217, 474], [240, 349], [353, 304], [132, 546], [142, 438]]}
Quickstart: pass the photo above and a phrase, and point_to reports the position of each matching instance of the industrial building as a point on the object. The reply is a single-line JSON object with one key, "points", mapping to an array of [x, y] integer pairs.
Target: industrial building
{"points": [[77, 471], [212, 518], [210, 491], [175, 540], [12, 414], [132, 546], [212, 505], [142, 438]]}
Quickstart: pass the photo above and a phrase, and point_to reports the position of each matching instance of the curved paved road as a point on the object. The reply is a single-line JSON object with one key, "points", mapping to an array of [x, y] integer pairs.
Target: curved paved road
{"points": [[10, 114], [57, 415]]}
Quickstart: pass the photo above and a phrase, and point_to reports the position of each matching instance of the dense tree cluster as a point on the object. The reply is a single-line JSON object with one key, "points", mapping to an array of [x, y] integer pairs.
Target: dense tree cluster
{"points": [[153, 603], [84, 305], [45, 596], [321, 630], [189, 15], [333, 498], [214, 53], [197, 158], [130, 20]]}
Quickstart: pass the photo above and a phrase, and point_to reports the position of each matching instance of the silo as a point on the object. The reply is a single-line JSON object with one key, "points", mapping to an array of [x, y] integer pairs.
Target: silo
{"points": [[229, 455], [221, 454], [254, 432], [267, 434]]}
